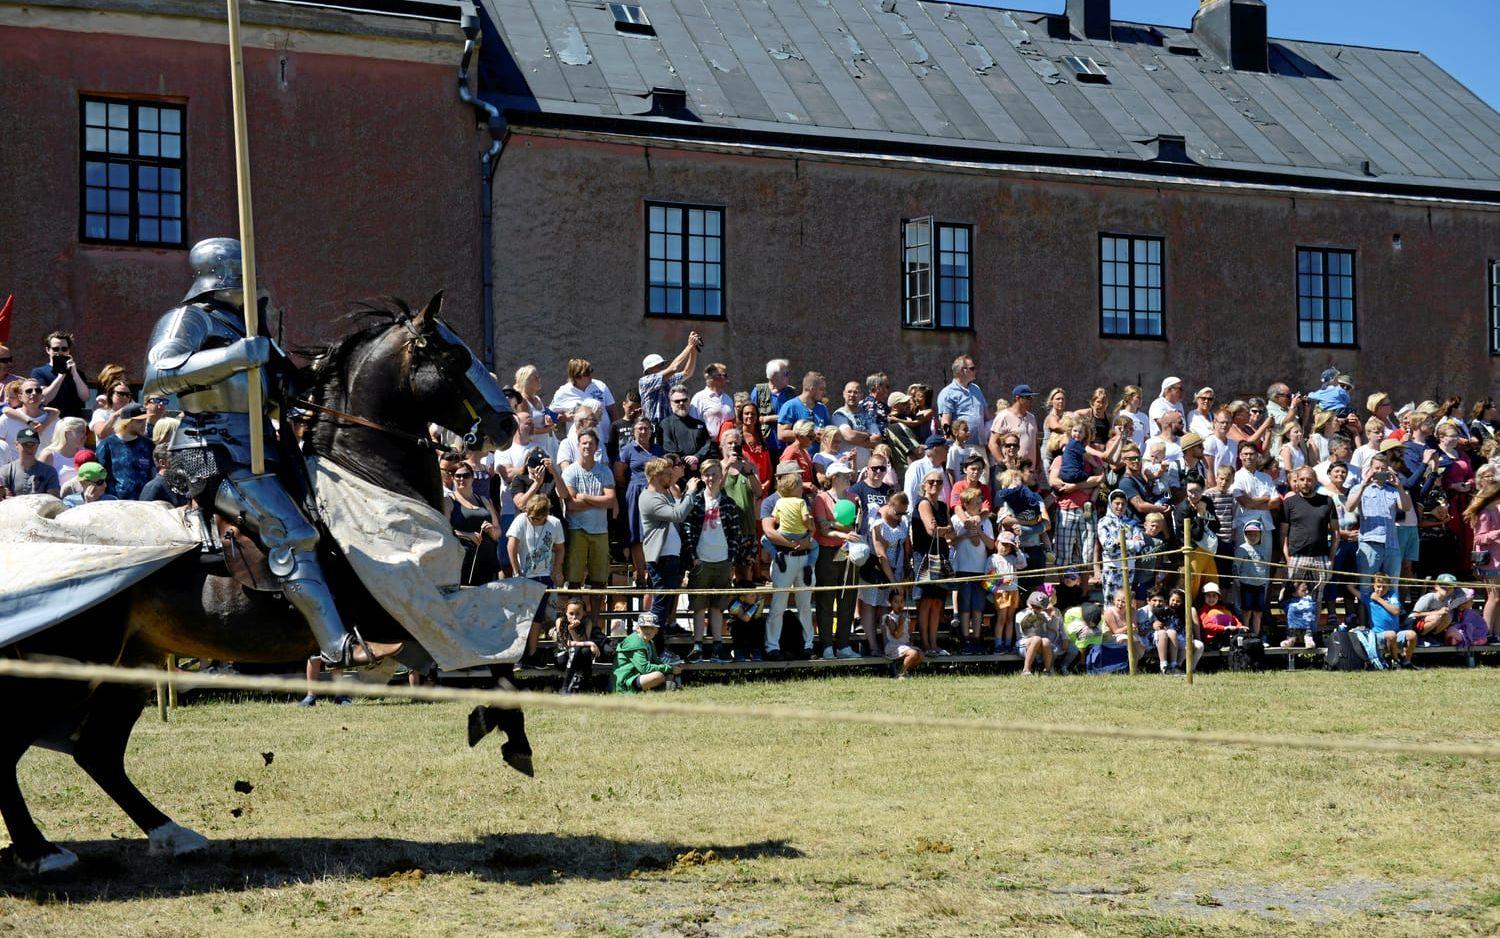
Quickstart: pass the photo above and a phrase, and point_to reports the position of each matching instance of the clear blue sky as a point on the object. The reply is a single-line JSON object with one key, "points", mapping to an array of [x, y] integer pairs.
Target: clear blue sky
{"points": [[1462, 36]]}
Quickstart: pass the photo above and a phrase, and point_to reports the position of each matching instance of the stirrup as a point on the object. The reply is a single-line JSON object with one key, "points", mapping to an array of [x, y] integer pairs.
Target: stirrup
{"points": [[346, 660]]}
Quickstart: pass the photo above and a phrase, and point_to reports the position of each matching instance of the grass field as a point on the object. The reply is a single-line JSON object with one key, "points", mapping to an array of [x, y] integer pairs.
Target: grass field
{"points": [[376, 818]]}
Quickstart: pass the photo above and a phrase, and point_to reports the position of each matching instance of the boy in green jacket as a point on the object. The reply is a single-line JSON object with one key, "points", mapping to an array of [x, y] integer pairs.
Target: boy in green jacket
{"points": [[637, 668]]}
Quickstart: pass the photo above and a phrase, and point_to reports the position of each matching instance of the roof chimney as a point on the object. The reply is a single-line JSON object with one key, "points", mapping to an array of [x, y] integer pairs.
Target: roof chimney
{"points": [[1235, 31], [1090, 18]]}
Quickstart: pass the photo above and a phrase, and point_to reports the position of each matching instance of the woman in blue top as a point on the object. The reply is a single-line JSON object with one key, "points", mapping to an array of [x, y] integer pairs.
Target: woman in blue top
{"points": [[630, 477]]}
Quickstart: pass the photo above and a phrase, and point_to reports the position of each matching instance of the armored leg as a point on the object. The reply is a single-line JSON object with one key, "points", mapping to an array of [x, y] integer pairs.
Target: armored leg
{"points": [[291, 542]]}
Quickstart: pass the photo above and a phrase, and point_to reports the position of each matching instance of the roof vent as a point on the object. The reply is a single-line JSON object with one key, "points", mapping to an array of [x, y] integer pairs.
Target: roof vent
{"points": [[1182, 47], [669, 102], [630, 18], [1086, 69], [1169, 148], [1235, 31], [1090, 18]]}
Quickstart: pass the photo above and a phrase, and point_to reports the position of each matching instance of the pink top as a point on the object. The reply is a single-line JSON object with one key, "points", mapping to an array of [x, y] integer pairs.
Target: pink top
{"points": [[1487, 534]]}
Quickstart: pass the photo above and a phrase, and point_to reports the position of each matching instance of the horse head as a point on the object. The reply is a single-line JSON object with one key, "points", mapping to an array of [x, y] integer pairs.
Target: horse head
{"points": [[452, 385]]}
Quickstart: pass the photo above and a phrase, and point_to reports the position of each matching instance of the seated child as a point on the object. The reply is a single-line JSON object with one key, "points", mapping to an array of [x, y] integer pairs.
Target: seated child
{"points": [[1217, 621], [1385, 622], [1082, 625], [899, 649], [577, 649], [637, 668], [1161, 627], [1301, 617], [747, 633]]}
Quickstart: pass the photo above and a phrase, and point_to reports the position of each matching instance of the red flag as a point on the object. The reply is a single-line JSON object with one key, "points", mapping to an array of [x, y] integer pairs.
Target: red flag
{"points": [[10, 301]]}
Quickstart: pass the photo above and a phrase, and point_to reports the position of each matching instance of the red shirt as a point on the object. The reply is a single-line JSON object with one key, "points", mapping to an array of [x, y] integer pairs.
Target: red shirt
{"points": [[958, 489]]}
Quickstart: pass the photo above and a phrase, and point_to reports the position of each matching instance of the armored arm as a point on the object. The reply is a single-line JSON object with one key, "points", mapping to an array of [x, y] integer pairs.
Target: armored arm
{"points": [[178, 360]]}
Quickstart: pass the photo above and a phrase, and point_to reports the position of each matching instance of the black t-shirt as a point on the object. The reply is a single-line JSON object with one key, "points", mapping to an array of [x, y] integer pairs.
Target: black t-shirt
{"points": [[1134, 488], [869, 498], [157, 490], [1311, 522], [67, 400]]}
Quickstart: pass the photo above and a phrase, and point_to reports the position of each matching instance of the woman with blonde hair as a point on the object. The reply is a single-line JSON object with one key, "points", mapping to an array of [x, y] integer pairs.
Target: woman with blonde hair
{"points": [[1293, 454], [66, 442], [1130, 406], [1057, 410], [529, 385]]}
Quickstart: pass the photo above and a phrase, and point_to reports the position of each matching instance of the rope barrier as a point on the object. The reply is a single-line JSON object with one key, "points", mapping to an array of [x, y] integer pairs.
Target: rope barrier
{"points": [[764, 588], [662, 707], [1344, 577]]}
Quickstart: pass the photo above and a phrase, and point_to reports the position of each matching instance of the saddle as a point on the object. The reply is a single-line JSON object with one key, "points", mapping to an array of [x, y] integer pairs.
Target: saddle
{"points": [[240, 555]]}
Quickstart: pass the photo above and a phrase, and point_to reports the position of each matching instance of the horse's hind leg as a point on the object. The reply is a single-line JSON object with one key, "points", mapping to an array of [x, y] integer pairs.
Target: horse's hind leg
{"points": [[28, 847], [100, 751]]}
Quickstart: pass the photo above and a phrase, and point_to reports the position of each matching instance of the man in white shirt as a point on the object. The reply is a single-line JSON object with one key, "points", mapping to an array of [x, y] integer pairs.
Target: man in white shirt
{"points": [[1256, 495], [857, 430], [1170, 399], [713, 405], [1218, 448], [582, 386]]}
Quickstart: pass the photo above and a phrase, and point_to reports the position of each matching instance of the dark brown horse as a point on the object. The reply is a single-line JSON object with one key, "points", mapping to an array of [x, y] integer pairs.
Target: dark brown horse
{"points": [[400, 372]]}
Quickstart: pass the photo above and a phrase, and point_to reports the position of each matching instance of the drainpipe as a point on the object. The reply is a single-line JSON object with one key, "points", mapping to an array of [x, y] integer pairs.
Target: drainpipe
{"points": [[489, 116]]}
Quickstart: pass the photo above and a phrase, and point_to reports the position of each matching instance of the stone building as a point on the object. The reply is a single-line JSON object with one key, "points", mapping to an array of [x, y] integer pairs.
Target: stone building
{"points": [[886, 183]]}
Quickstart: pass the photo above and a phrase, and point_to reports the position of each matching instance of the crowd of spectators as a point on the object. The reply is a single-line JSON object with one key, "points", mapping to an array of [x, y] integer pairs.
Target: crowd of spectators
{"points": [[906, 521]]}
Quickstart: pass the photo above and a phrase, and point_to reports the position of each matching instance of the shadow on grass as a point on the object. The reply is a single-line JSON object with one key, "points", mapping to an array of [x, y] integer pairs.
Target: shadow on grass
{"points": [[115, 870]]}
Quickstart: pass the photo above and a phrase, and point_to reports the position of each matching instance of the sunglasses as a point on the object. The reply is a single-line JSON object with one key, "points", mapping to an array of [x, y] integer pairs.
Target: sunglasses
{"points": [[157, 400], [120, 393], [1011, 445], [31, 391], [62, 349], [463, 475]]}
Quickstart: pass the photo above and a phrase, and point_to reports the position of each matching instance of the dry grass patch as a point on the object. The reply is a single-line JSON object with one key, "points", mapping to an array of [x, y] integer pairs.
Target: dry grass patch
{"points": [[376, 819]]}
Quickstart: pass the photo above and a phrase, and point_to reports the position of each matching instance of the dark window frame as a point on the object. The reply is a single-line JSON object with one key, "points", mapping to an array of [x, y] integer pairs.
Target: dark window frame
{"points": [[136, 162], [684, 287], [1131, 286], [1324, 252], [1493, 295], [934, 277]]}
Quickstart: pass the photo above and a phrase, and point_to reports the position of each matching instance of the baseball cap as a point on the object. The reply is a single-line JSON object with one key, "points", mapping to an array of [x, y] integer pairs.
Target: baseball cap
{"points": [[1022, 390], [897, 397], [91, 472], [1071, 573], [1190, 440], [82, 456], [1007, 537], [1038, 598], [28, 435], [838, 468], [1328, 375], [131, 411], [937, 439], [651, 361], [1211, 588], [647, 620], [1169, 382], [1447, 579]]}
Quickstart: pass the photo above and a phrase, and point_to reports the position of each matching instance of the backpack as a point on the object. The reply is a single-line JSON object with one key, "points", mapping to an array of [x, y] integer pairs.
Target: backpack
{"points": [[1366, 648], [1245, 653], [1339, 655], [1107, 659]]}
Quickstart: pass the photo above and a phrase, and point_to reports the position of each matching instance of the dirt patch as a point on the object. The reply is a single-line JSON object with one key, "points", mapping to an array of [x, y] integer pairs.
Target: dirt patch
{"points": [[926, 845]]}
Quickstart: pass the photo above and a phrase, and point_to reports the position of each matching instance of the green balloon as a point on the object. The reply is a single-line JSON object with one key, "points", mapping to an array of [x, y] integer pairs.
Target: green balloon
{"points": [[844, 512]]}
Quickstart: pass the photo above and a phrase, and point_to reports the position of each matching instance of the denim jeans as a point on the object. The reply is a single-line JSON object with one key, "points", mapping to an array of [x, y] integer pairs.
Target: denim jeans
{"points": [[1375, 557], [665, 573]]}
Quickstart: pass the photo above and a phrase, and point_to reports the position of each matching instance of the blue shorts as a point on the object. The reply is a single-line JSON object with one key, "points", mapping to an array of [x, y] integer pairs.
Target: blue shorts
{"points": [[1252, 598], [971, 595]]}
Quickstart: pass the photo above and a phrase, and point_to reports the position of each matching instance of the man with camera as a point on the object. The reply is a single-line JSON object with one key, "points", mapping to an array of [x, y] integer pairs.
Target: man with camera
{"points": [[1378, 498], [63, 386]]}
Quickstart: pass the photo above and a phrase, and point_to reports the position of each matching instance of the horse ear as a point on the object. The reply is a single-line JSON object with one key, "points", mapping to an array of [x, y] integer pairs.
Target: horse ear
{"points": [[428, 315]]}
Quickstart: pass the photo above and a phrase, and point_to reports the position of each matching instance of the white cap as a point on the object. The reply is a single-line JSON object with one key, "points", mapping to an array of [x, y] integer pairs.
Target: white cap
{"points": [[839, 468], [651, 361], [1169, 382], [1210, 587]]}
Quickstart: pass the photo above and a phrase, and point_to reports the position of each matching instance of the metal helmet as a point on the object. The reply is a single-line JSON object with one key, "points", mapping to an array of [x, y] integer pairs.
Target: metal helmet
{"points": [[217, 265]]}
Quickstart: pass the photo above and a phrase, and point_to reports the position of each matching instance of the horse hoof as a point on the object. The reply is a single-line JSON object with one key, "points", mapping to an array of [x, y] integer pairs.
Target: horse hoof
{"points": [[479, 726], [173, 840], [57, 861], [517, 759]]}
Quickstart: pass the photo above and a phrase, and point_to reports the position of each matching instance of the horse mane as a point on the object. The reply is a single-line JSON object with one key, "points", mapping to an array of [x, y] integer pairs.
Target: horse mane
{"points": [[367, 318]]}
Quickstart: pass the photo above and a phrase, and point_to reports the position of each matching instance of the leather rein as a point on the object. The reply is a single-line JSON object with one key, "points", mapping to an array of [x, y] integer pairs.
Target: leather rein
{"points": [[357, 420]]}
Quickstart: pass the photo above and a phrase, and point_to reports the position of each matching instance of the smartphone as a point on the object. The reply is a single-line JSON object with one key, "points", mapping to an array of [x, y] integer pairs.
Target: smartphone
{"points": [[59, 363]]}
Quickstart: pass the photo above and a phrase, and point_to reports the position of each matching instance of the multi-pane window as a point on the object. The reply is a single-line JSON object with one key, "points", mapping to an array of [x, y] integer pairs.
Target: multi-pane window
{"points": [[1325, 297], [1494, 307], [684, 261], [935, 297], [1130, 286], [133, 174]]}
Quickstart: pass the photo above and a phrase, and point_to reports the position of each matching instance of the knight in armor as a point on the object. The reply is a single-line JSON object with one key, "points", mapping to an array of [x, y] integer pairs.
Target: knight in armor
{"points": [[200, 352]]}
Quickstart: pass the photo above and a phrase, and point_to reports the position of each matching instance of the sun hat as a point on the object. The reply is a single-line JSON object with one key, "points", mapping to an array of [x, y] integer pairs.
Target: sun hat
{"points": [[898, 397], [1387, 445], [838, 468], [651, 361], [91, 472], [1190, 440], [1211, 587], [1373, 401]]}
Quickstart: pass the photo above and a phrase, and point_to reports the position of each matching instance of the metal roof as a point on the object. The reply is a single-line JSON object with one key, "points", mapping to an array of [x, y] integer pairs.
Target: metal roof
{"points": [[992, 83]]}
